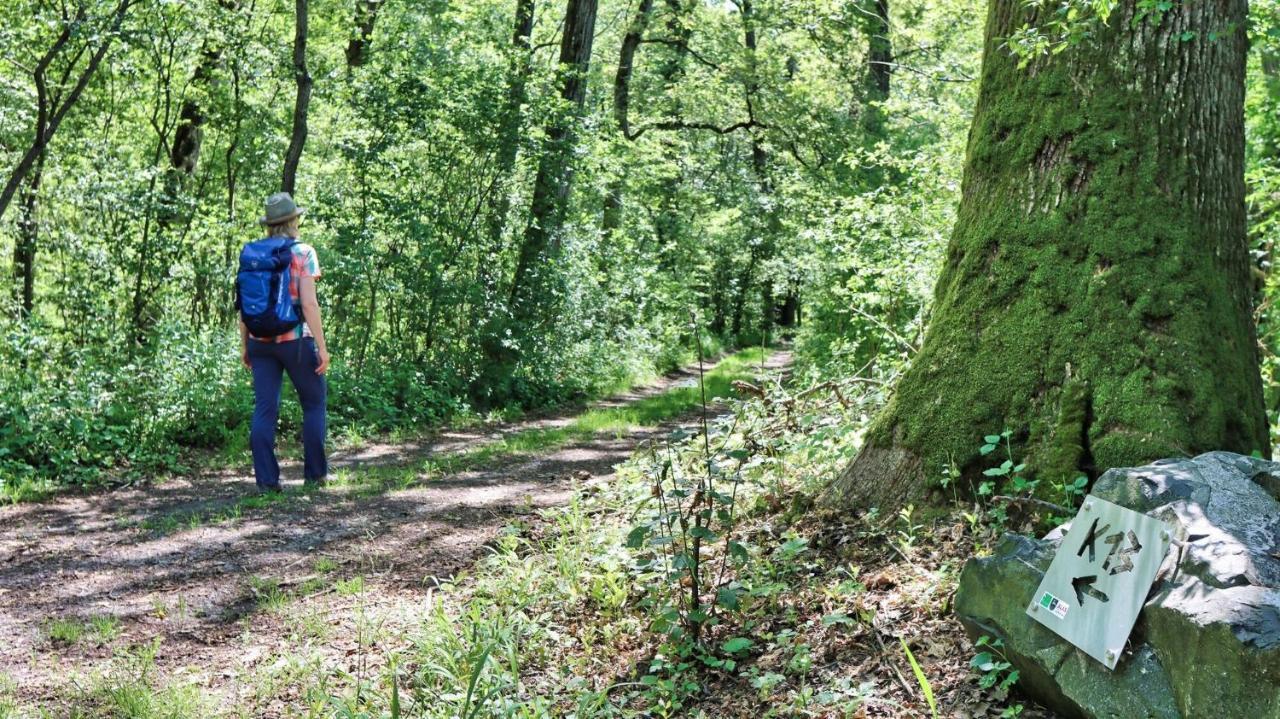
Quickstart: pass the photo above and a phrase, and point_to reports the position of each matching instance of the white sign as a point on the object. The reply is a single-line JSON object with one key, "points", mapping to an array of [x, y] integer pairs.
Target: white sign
{"points": [[1098, 581]]}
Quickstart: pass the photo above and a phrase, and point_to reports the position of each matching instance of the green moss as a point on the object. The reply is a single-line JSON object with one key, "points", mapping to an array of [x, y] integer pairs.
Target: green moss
{"points": [[1082, 250], [1063, 454]]}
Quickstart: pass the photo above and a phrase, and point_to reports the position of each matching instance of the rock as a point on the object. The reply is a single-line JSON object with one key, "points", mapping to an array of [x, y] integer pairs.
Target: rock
{"points": [[1207, 643]]}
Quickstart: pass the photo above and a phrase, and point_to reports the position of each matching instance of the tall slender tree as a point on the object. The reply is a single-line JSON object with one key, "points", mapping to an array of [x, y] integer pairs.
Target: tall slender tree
{"points": [[491, 325], [761, 245], [302, 77], [55, 96], [24, 250], [512, 118], [1096, 296], [535, 288], [875, 17], [622, 104], [366, 15]]}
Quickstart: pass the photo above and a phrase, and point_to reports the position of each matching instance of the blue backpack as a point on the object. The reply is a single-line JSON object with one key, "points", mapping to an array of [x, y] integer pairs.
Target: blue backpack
{"points": [[262, 287]]}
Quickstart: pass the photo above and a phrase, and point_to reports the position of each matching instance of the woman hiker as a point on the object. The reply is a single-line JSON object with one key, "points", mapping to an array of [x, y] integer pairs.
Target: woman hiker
{"points": [[300, 351]]}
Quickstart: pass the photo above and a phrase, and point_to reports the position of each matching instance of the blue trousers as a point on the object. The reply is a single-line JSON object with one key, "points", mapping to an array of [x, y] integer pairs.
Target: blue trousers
{"points": [[270, 360]]}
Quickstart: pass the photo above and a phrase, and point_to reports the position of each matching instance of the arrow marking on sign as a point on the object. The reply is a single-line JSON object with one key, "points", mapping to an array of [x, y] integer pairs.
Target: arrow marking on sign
{"points": [[1084, 585], [1090, 538], [1123, 557]]}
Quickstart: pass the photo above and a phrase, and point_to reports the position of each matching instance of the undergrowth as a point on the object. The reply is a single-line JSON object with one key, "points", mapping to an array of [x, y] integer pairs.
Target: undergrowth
{"points": [[703, 582]]}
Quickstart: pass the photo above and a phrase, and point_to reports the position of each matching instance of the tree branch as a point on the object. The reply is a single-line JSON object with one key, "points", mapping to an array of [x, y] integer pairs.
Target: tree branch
{"points": [[683, 46], [682, 125]]}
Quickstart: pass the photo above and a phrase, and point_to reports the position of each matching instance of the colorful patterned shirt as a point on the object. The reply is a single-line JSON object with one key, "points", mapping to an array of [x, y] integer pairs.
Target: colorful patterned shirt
{"points": [[305, 264]]}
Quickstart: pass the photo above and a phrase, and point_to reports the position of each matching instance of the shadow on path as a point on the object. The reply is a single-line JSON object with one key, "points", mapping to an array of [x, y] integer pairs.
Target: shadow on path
{"points": [[197, 543]]}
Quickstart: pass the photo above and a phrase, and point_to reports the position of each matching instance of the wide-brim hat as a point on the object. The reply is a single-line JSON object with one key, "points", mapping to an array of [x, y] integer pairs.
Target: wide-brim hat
{"points": [[280, 207]]}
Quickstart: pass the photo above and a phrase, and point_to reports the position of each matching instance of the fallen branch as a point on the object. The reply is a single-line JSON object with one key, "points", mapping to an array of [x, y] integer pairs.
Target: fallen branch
{"points": [[1038, 502], [910, 347]]}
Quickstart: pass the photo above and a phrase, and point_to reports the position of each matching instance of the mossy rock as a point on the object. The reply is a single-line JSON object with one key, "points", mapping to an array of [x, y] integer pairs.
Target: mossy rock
{"points": [[1207, 643]]}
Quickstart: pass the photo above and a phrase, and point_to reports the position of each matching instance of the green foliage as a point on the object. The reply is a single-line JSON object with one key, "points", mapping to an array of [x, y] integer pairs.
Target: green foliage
{"points": [[418, 189], [925, 687], [995, 673], [99, 630]]}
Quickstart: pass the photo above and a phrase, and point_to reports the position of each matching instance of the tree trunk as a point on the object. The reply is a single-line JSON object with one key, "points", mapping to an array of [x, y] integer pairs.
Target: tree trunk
{"points": [[1095, 298], [512, 117], [763, 250], [1270, 57], [490, 325], [299, 136], [24, 251], [879, 67], [667, 226], [184, 152], [534, 291], [358, 46], [621, 104]]}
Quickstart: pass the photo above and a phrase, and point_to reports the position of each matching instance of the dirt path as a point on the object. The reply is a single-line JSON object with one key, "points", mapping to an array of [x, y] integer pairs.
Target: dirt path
{"points": [[191, 563]]}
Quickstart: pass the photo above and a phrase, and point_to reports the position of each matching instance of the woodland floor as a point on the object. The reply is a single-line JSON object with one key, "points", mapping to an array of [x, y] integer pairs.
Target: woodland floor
{"points": [[190, 560]]}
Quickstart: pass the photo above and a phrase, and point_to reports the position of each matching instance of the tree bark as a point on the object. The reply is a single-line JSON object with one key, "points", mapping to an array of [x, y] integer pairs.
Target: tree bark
{"points": [[668, 225], [24, 251], [511, 120], [879, 67], [535, 290], [184, 152], [762, 250], [491, 326], [365, 16], [1095, 297], [299, 135], [621, 104]]}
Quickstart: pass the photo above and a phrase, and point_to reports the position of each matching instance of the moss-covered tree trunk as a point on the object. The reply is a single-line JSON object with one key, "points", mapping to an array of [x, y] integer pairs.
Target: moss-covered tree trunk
{"points": [[1095, 297]]}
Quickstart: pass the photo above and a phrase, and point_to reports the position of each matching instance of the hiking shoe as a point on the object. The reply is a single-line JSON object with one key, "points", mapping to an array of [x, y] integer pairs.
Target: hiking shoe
{"points": [[271, 490]]}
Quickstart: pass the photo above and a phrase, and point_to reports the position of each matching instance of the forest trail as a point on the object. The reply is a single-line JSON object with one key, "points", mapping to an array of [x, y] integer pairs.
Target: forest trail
{"points": [[192, 562]]}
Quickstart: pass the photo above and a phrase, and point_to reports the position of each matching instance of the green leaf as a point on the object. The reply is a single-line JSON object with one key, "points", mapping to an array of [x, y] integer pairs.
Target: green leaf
{"points": [[793, 547], [837, 618], [991, 439], [986, 449], [1010, 680], [635, 538], [738, 551], [727, 597], [736, 645], [983, 662], [702, 533], [921, 679]]}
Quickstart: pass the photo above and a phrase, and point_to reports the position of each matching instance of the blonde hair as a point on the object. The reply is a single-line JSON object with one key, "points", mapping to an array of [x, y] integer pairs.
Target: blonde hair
{"points": [[288, 228]]}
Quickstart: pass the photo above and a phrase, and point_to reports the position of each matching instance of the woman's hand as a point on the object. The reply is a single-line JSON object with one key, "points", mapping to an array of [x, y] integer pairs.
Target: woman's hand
{"points": [[322, 357], [244, 358]]}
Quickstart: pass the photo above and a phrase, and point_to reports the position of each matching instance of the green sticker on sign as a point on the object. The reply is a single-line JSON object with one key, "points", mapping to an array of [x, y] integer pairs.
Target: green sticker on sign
{"points": [[1056, 606]]}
